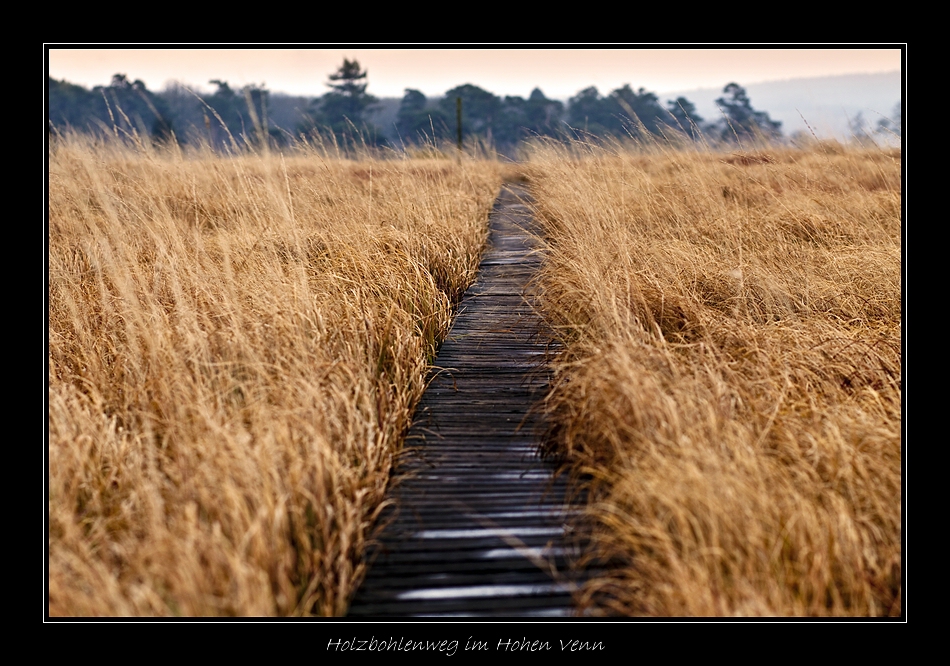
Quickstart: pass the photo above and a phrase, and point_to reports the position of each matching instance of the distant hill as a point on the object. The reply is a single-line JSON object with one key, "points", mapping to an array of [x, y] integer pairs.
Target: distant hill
{"points": [[826, 102]]}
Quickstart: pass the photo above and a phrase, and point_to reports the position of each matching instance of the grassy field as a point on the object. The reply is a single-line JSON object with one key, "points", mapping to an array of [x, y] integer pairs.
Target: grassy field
{"points": [[236, 345], [731, 385]]}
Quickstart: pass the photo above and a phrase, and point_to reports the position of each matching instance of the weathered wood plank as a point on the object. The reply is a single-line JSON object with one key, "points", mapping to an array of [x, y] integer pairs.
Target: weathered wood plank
{"points": [[478, 524]]}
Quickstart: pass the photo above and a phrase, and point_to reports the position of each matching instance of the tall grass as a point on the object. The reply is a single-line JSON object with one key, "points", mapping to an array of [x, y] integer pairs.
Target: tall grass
{"points": [[732, 376], [236, 345]]}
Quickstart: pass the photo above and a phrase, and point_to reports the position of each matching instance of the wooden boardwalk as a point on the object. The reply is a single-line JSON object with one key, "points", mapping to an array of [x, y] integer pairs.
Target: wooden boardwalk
{"points": [[479, 526]]}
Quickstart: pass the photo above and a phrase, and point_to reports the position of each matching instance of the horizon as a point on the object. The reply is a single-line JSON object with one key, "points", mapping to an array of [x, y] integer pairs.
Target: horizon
{"points": [[559, 73]]}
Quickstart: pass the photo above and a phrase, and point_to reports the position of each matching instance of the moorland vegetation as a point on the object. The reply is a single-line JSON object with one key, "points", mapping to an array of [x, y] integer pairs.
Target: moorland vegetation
{"points": [[238, 337], [731, 381], [236, 345]]}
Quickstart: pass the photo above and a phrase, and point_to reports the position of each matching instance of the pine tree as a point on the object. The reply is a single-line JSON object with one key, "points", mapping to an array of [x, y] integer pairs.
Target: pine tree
{"points": [[416, 122], [684, 117], [344, 107], [892, 126], [742, 122], [347, 100]]}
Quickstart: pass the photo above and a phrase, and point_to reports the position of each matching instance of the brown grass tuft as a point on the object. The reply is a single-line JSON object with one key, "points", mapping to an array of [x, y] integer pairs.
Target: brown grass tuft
{"points": [[236, 346], [732, 375]]}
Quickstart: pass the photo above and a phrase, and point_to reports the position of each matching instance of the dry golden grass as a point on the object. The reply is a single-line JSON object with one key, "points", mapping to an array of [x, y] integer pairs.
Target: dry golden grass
{"points": [[732, 377], [235, 348]]}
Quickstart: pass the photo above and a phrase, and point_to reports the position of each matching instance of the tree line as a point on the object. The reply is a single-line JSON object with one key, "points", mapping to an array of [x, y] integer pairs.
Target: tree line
{"points": [[252, 115]]}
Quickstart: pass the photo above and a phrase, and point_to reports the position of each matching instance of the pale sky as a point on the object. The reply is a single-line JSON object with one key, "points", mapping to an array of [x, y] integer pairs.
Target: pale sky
{"points": [[559, 72]]}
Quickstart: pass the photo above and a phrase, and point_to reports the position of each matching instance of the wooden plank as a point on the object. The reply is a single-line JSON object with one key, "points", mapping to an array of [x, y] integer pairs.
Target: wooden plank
{"points": [[479, 524]]}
